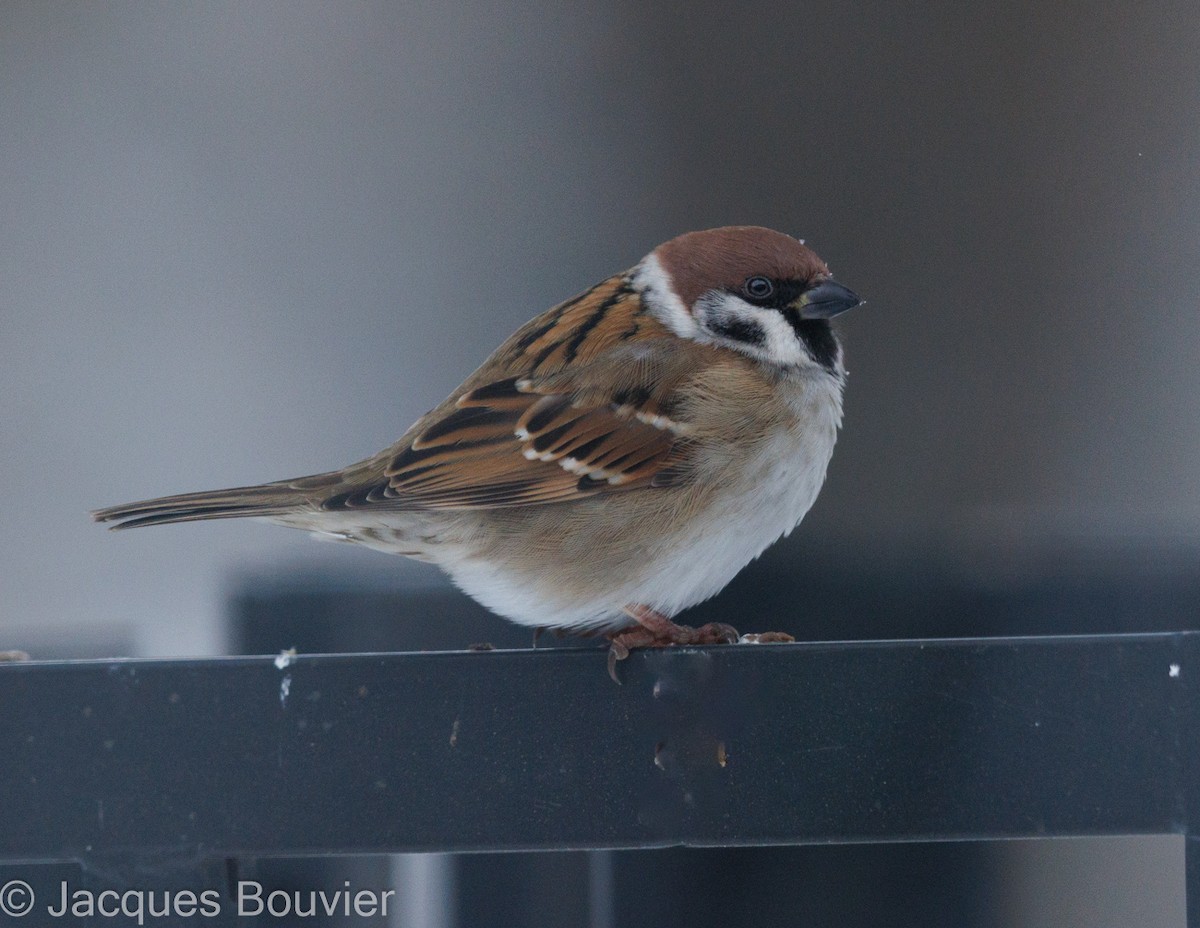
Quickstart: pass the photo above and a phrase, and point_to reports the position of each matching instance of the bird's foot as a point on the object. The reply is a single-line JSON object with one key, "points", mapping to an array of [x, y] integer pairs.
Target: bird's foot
{"points": [[655, 630], [766, 638]]}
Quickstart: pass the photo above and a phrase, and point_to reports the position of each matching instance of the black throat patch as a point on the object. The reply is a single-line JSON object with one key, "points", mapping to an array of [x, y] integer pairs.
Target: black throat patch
{"points": [[818, 338]]}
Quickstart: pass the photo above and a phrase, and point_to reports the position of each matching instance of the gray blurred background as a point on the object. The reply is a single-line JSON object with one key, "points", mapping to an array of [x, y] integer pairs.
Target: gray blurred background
{"points": [[248, 241]]}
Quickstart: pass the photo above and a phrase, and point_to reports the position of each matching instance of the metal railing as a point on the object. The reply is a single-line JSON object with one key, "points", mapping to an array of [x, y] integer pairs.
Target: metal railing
{"points": [[146, 772]]}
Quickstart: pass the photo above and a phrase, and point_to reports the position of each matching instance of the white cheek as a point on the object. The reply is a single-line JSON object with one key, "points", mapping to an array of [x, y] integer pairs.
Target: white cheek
{"points": [[780, 344]]}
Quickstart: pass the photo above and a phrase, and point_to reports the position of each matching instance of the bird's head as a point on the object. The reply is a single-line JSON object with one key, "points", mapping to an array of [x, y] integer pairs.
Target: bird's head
{"points": [[749, 289]]}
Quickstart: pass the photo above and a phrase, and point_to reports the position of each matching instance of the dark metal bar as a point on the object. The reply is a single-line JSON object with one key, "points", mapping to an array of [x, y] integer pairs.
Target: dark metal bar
{"points": [[780, 744], [1191, 860]]}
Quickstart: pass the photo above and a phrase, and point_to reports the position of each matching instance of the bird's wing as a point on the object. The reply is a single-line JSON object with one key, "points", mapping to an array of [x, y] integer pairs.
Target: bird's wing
{"points": [[580, 401]]}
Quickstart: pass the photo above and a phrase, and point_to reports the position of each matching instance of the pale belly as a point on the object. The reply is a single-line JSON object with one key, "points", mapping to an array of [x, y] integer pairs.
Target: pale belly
{"points": [[575, 565]]}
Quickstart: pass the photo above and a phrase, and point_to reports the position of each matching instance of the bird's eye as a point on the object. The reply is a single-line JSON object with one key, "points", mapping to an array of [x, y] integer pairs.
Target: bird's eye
{"points": [[758, 288]]}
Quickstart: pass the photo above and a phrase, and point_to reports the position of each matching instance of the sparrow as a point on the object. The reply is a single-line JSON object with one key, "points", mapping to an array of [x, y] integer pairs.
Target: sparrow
{"points": [[619, 458]]}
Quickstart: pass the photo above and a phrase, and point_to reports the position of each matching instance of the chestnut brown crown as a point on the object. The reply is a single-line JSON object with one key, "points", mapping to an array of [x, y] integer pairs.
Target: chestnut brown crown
{"points": [[722, 259]]}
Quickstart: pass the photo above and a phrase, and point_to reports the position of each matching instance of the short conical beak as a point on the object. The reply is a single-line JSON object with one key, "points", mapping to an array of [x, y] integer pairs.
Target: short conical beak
{"points": [[826, 300]]}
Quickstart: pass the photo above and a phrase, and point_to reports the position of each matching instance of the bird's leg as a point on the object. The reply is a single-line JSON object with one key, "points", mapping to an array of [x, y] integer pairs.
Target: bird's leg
{"points": [[655, 630], [666, 633]]}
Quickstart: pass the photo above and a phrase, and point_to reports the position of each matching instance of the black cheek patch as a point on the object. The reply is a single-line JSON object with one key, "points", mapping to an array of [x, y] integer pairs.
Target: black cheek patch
{"points": [[739, 330]]}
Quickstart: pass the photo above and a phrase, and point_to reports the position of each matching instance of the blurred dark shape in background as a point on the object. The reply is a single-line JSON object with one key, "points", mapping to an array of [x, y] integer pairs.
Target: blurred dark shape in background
{"points": [[850, 593]]}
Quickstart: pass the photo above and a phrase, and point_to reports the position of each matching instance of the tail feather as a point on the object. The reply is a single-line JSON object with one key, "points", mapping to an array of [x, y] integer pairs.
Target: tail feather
{"points": [[234, 503]]}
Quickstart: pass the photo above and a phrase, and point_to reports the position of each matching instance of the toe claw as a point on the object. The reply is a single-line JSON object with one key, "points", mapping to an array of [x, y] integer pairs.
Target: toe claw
{"points": [[613, 657], [766, 638], [716, 633], [655, 630]]}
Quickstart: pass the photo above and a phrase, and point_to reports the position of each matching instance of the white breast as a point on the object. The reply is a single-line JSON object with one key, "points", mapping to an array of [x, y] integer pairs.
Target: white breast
{"points": [[766, 502]]}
